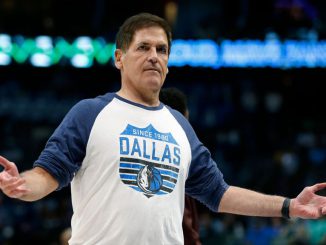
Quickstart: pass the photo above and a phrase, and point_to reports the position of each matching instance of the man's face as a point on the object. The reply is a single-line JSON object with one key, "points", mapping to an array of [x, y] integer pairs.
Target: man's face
{"points": [[144, 65]]}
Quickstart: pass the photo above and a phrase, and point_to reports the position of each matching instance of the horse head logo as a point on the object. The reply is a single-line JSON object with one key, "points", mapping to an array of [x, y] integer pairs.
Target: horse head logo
{"points": [[149, 179]]}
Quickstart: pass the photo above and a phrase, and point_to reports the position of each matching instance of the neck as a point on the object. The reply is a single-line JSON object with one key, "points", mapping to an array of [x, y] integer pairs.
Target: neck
{"points": [[143, 99]]}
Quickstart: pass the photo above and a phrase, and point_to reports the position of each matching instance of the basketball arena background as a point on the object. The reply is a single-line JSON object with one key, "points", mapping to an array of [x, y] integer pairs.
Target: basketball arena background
{"points": [[253, 71]]}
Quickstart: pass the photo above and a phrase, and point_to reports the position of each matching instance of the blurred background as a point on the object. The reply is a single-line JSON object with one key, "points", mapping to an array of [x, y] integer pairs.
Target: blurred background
{"points": [[253, 71]]}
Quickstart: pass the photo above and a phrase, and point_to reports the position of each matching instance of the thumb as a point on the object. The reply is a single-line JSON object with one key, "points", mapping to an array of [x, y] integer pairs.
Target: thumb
{"points": [[323, 210]]}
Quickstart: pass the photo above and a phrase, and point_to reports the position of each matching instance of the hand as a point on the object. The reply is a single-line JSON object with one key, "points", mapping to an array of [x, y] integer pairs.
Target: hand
{"points": [[11, 183], [307, 204]]}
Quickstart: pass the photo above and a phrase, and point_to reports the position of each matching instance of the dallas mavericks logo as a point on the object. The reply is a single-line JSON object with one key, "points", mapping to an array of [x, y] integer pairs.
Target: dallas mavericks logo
{"points": [[149, 179], [149, 160]]}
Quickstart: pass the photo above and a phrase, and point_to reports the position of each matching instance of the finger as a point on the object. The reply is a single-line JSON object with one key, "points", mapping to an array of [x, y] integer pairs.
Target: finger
{"points": [[4, 162], [13, 184], [18, 193], [318, 187], [323, 210], [5, 181], [5, 176], [9, 166]]}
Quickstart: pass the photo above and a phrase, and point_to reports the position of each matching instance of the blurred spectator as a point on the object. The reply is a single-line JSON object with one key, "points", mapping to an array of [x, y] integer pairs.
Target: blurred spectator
{"points": [[261, 231], [317, 231], [296, 19]]}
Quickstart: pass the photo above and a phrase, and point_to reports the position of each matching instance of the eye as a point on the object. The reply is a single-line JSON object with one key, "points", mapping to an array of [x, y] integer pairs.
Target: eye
{"points": [[162, 49], [142, 47]]}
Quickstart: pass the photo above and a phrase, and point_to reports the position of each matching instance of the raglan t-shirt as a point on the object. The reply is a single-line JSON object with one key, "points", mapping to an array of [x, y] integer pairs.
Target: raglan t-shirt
{"points": [[129, 167]]}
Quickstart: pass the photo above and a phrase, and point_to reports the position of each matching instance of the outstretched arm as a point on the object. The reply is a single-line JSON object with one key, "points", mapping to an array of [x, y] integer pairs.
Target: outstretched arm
{"points": [[31, 185], [307, 204]]}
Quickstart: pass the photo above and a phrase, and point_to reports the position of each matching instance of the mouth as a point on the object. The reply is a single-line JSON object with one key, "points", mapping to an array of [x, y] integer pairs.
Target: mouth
{"points": [[153, 69]]}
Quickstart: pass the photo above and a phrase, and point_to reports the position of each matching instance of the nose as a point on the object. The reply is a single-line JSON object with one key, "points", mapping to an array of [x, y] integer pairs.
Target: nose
{"points": [[152, 57]]}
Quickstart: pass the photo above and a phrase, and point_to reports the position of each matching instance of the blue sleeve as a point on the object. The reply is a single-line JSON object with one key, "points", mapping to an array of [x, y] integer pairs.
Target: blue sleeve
{"points": [[66, 148], [205, 181]]}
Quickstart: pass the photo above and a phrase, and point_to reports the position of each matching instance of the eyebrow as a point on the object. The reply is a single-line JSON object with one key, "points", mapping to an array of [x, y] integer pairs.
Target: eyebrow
{"points": [[148, 44]]}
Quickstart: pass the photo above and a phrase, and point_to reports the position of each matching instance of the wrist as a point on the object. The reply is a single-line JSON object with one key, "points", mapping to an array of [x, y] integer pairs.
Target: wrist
{"points": [[285, 211]]}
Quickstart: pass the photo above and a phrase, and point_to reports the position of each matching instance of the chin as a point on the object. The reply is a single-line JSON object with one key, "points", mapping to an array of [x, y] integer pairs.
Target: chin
{"points": [[154, 84]]}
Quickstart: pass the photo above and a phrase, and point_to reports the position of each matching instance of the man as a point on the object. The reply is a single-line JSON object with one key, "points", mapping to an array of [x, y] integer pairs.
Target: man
{"points": [[177, 100], [130, 159]]}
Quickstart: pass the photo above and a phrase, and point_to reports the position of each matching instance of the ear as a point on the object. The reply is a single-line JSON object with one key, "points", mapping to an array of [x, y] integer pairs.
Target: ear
{"points": [[118, 58]]}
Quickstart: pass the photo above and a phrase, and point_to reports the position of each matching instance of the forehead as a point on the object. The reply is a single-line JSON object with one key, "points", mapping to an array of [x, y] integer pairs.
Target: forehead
{"points": [[151, 35]]}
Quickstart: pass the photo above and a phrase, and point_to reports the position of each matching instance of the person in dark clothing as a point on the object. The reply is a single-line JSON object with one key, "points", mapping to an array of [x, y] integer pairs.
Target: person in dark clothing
{"points": [[177, 100]]}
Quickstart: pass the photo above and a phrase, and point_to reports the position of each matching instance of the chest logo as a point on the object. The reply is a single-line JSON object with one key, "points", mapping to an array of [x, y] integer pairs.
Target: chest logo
{"points": [[149, 160]]}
